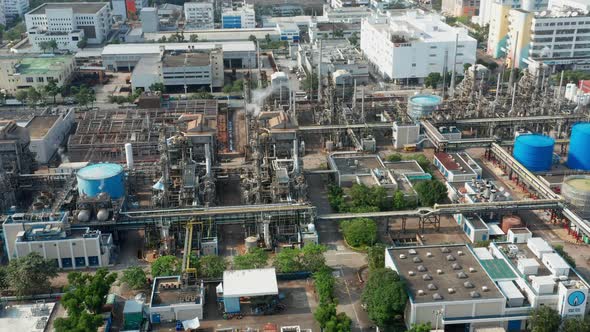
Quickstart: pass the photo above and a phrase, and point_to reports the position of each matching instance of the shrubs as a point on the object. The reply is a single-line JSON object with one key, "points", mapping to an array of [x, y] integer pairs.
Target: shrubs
{"points": [[359, 232], [326, 314]]}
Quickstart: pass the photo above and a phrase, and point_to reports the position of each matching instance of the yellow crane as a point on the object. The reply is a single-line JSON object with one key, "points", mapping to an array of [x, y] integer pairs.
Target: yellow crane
{"points": [[189, 273]]}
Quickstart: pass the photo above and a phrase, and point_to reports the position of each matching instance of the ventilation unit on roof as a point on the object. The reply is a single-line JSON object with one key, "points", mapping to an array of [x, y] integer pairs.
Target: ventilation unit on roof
{"points": [[472, 269], [429, 254], [445, 250], [461, 275], [450, 258], [402, 256], [427, 277], [468, 284], [460, 253], [485, 288], [412, 252], [474, 294], [421, 268], [456, 266], [417, 260], [420, 292], [439, 271], [432, 287], [437, 297], [451, 290], [411, 273]]}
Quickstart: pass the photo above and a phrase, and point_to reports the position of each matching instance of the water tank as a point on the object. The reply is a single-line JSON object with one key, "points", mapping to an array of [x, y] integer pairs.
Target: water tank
{"points": [[578, 156], [509, 222], [576, 190], [420, 106], [98, 178], [251, 242], [535, 152]]}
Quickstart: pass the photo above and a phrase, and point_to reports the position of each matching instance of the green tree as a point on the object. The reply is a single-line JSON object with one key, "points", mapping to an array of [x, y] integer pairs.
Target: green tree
{"points": [[84, 95], [21, 95], [313, 257], [84, 322], [162, 40], [376, 256], [33, 97], [212, 266], [194, 38], [252, 38], [384, 297], [3, 278], [53, 45], [466, 66], [30, 274], [166, 266], [394, 157], [339, 323], [82, 43], [52, 89], [359, 232], [432, 80], [424, 327], [575, 325], [561, 251], [324, 313], [324, 282], [44, 45], [288, 260], [87, 292], [16, 32], [336, 198], [363, 198], [544, 319], [158, 87], [255, 258], [310, 83], [134, 277], [354, 39], [399, 200], [431, 192], [267, 38]]}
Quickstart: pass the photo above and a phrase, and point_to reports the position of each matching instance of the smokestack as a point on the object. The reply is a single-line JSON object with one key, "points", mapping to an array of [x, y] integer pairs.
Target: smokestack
{"points": [[207, 159], [129, 155]]}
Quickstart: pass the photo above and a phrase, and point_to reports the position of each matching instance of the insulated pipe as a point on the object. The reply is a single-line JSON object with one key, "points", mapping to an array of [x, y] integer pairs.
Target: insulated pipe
{"points": [[129, 155]]}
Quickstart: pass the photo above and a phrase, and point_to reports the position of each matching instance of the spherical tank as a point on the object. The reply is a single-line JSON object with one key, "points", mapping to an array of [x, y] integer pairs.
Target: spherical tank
{"points": [[101, 178], [578, 156], [509, 222], [102, 215], [423, 105], [535, 152], [576, 190], [84, 215]]}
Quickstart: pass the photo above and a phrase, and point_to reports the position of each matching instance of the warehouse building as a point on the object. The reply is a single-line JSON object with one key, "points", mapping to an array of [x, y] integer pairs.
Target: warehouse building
{"points": [[126, 56], [48, 132], [25, 72]]}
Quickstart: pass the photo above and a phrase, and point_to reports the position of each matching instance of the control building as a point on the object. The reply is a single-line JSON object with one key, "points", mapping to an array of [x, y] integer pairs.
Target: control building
{"points": [[199, 15]]}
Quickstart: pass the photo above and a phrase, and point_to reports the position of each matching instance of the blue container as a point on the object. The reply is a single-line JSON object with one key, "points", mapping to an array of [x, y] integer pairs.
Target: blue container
{"points": [[99, 178], [423, 105], [579, 155], [535, 152]]}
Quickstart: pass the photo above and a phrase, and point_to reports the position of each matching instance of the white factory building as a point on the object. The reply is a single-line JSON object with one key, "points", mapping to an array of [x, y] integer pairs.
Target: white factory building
{"points": [[412, 44], [488, 9], [459, 287], [236, 54], [48, 133], [243, 17], [185, 69], [50, 236], [199, 15], [69, 23]]}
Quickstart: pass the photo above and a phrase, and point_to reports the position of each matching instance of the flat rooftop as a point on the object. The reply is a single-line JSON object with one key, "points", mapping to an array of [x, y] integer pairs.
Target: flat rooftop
{"points": [[77, 7], [525, 252], [41, 65], [186, 59], [356, 164], [154, 48], [168, 291], [404, 167], [39, 126], [254, 282], [25, 317], [459, 270]]}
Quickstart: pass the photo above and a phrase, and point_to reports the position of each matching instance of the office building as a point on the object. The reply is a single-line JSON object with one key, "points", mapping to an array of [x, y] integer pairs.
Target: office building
{"points": [[349, 3], [487, 12], [413, 44], [25, 72], [14, 9], [457, 287], [150, 21], [50, 236], [69, 23], [199, 15], [243, 17], [461, 7]]}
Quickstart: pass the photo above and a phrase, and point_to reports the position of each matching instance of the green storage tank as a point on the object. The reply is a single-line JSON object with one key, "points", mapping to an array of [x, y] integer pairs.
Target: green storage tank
{"points": [[132, 315]]}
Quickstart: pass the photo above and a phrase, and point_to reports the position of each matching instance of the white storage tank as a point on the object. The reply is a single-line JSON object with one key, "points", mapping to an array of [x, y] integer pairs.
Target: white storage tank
{"points": [[539, 246], [557, 265], [528, 266]]}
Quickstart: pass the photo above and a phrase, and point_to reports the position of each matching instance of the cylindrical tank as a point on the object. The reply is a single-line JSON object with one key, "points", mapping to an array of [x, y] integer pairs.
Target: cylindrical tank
{"points": [[578, 156], [535, 152], [329, 146], [576, 190], [251, 242], [509, 222], [129, 155], [420, 106], [311, 227], [98, 178]]}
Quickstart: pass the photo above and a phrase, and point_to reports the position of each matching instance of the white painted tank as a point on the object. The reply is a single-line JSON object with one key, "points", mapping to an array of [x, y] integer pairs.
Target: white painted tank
{"points": [[129, 155]]}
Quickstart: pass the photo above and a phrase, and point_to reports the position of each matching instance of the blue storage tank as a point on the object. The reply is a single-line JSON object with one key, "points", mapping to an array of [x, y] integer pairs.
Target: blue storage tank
{"points": [[579, 156], [535, 152], [98, 178], [423, 105]]}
